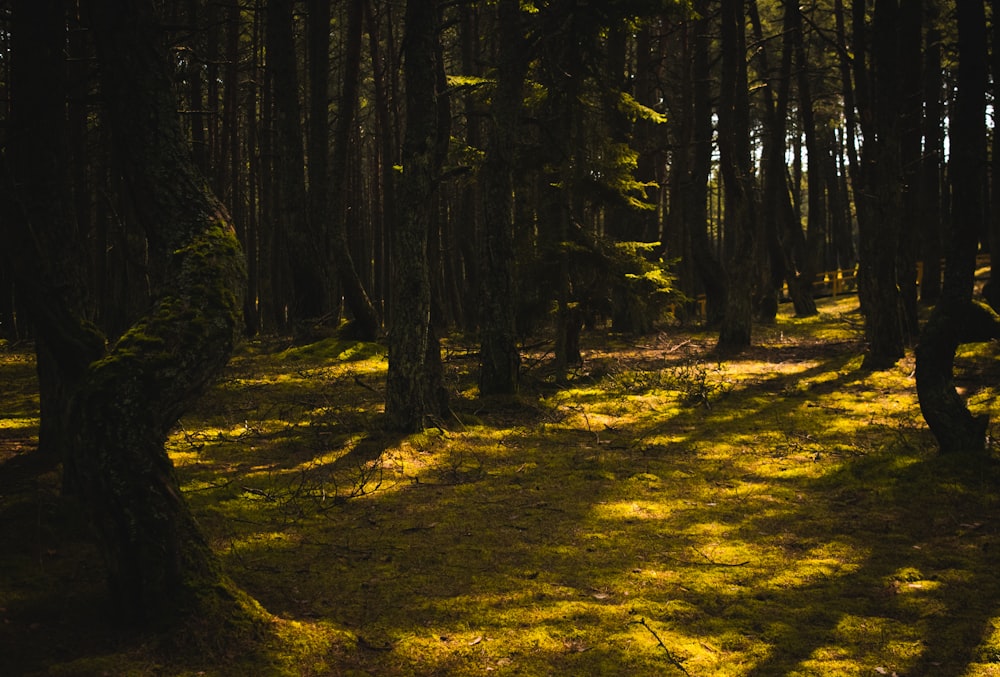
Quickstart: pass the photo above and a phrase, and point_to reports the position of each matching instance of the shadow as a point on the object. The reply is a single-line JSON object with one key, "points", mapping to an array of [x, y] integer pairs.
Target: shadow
{"points": [[799, 523]]}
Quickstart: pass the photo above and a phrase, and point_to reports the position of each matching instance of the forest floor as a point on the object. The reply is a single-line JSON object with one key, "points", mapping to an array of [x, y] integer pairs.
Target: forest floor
{"points": [[667, 511]]}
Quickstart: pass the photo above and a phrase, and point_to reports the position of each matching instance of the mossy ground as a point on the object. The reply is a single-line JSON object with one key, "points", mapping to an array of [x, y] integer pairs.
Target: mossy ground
{"points": [[667, 511]]}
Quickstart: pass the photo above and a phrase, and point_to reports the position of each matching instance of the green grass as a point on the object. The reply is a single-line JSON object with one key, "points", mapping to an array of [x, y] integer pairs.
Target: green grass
{"points": [[667, 511]]}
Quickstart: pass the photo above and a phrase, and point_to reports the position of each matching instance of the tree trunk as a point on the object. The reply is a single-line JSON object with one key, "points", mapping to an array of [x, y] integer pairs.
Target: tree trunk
{"points": [[161, 571], [319, 200], [366, 321], [931, 163], [879, 182], [413, 386], [910, 137], [300, 248], [499, 357], [734, 163], [694, 196], [956, 319], [43, 241], [805, 246]]}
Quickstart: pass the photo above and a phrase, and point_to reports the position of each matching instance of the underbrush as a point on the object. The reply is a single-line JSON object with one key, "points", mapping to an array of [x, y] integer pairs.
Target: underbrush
{"points": [[667, 511]]}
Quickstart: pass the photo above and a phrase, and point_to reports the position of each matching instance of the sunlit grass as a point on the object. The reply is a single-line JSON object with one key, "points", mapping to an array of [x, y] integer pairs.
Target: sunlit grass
{"points": [[777, 512]]}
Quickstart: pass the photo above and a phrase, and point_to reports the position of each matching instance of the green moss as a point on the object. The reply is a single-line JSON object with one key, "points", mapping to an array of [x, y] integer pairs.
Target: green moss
{"points": [[799, 524], [333, 349]]}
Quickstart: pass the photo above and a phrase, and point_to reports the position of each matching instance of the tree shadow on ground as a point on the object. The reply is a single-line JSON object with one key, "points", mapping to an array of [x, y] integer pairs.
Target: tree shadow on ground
{"points": [[796, 521]]}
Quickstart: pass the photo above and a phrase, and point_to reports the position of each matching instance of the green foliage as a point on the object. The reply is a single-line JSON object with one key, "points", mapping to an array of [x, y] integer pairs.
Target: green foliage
{"points": [[636, 111]]}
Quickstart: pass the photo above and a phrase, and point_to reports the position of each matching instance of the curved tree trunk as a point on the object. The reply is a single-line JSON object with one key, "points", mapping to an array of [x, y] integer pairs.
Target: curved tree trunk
{"points": [[956, 318], [161, 571]]}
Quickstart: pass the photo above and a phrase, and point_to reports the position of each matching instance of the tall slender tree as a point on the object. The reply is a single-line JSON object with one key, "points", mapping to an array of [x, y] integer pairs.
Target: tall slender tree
{"points": [[413, 386], [735, 167], [499, 357], [879, 176]]}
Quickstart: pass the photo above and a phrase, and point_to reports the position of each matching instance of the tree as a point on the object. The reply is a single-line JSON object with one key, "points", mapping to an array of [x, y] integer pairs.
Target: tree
{"points": [[734, 163], [413, 387], [366, 320], [692, 163], [301, 275], [44, 243], [957, 318], [878, 176], [499, 357], [122, 402]]}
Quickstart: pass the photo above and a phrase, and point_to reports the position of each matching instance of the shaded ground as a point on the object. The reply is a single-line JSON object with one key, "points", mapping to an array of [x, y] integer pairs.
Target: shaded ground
{"points": [[666, 512]]}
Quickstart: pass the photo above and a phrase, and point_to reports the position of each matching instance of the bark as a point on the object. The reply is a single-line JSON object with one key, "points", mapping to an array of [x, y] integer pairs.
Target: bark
{"points": [[499, 360], [694, 196], [386, 128], [413, 387], [805, 246], [734, 163], [366, 321], [910, 138], [992, 289], [300, 245], [161, 571], [42, 236], [956, 319], [879, 185], [944, 410]]}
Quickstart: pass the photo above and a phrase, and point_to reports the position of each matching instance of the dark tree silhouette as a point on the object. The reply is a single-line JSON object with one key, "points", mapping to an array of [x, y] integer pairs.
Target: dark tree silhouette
{"points": [[499, 358], [413, 385], [121, 403], [957, 318]]}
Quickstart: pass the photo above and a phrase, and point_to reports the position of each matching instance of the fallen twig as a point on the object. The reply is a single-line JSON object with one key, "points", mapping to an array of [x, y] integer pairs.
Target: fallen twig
{"points": [[670, 657]]}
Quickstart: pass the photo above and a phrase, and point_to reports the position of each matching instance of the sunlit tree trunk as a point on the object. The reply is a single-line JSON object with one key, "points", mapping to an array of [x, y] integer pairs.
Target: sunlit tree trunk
{"points": [[413, 388]]}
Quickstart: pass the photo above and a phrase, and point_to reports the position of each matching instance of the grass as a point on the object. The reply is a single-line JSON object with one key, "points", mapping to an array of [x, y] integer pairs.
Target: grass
{"points": [[666, 512]]}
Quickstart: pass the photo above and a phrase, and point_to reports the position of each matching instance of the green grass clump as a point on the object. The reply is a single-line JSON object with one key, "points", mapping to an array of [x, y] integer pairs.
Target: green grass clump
{"points": [[780, 512]]}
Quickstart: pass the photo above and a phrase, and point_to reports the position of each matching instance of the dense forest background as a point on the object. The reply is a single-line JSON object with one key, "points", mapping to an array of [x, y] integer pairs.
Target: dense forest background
{"points": [[181, 172], [648, 147]]}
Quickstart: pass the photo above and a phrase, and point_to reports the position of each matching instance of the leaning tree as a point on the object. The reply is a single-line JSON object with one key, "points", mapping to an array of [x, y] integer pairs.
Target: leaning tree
{"points": [[119, 397], [958, 318]]}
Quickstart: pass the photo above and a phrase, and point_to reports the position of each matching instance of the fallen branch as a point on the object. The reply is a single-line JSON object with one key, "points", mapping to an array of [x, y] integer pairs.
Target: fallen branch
{"points": [[670, 657]]}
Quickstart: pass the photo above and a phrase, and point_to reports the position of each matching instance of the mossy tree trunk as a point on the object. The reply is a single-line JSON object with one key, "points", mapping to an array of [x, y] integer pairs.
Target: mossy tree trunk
{"points": [[499, 360], [161, 570], [413, 386], [956, 318]]}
